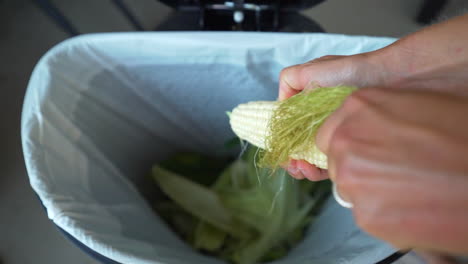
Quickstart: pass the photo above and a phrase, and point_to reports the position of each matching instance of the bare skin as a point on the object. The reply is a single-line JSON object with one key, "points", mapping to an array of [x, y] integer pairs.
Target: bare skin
{"points": [[398, 150], [435, 58], [401, 158]]}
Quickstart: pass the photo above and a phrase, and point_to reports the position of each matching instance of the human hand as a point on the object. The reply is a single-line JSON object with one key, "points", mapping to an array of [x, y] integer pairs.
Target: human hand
{"points": [[359, 70], [401, 158], [435, 58]]}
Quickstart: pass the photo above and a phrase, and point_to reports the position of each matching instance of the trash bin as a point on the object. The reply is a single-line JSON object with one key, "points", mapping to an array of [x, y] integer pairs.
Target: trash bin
{"points": [[101, 109]]}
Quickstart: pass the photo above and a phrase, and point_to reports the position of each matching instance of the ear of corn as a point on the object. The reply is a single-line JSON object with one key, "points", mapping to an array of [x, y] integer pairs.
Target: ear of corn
{"points": [[250, 122], [287, 129]]}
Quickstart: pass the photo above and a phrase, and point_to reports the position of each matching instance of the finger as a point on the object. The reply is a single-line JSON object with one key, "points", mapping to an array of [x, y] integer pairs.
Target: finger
{"points": [[311, 172], [306, 76], [360, 99], [385, 100], [330, 70], [326, 131], [294, 171], [289, 84], [286, 90], [358, 122], [296, 78]]}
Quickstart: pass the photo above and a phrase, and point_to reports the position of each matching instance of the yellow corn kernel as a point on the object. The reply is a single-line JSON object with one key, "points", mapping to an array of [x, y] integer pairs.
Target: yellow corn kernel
{"points": [[250, 122]]}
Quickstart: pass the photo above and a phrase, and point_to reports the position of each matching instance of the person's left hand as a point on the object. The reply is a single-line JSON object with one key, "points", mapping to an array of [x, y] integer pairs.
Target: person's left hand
{"points": [[360, 70], [401, 158]]}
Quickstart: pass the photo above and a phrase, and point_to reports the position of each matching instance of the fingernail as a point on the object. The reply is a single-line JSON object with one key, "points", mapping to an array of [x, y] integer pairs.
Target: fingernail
{"points": [[301, 171], [310, 175], [300, 176], [293, 170]]}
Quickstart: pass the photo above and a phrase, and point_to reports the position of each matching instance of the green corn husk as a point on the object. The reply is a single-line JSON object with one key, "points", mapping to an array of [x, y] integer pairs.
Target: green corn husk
{"points": [[248, 215]]}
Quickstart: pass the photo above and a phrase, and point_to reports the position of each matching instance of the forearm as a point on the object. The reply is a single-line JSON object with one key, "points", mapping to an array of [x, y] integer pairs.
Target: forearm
{"points": [[435, 57]]}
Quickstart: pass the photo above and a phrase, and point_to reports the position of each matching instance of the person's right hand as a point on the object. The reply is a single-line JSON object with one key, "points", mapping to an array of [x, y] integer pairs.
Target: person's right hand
{"points": [[400, 157]]}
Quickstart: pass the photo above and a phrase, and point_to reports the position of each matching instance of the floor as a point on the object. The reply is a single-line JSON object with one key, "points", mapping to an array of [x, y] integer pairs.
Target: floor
{"points": [[26, 235]]}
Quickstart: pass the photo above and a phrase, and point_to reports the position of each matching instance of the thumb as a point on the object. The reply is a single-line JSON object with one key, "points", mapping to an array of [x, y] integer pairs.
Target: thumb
{"points": [[324, 71]]}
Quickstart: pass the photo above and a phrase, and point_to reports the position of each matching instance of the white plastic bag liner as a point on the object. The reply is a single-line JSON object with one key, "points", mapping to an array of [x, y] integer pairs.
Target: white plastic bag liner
{"points": [[101, 109]]}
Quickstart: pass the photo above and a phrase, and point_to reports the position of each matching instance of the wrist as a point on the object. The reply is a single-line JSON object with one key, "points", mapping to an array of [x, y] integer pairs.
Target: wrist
{"points": [[434, 58]]}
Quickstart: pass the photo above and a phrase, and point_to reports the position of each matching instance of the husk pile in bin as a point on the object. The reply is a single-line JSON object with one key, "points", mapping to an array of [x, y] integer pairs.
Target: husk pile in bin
{"points": [[246, 215], [250, 214]]}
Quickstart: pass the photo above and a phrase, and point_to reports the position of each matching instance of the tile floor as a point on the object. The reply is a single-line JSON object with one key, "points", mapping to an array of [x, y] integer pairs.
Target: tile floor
{"points": [[26, 235]]}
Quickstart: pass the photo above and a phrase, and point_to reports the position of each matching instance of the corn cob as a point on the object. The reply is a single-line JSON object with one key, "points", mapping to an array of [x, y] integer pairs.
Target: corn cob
{"points": [[250, 122]]}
